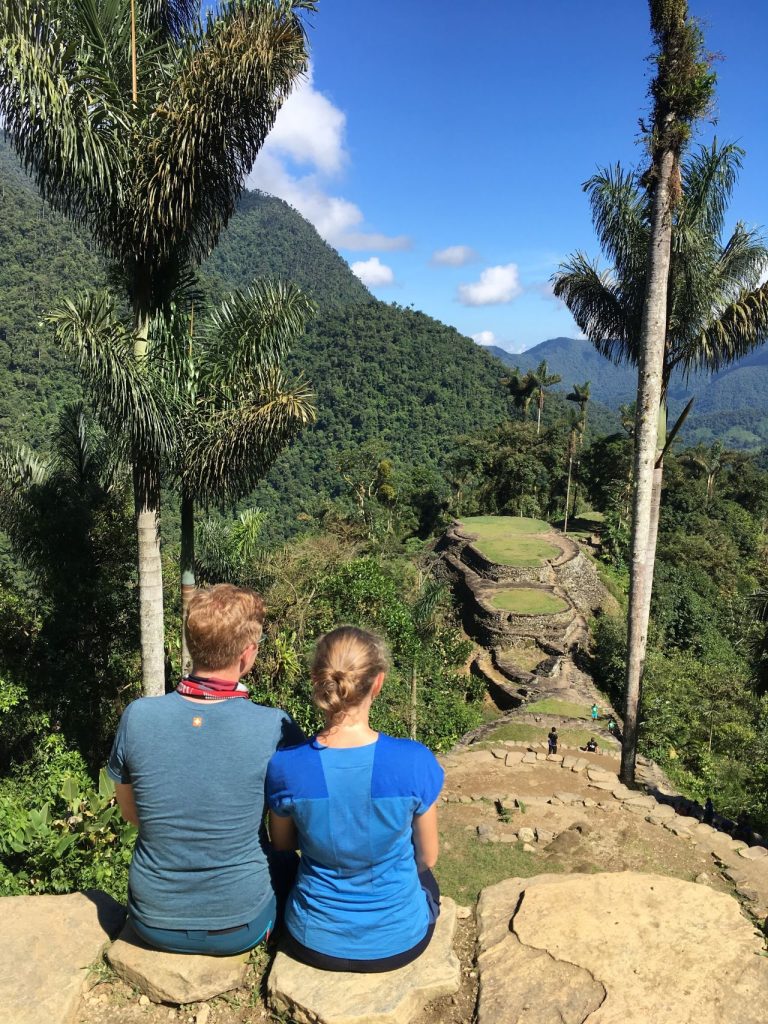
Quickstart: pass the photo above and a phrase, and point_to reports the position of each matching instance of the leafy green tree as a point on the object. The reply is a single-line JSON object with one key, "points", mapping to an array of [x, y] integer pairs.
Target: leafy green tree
{"points": [[68, 522], [140, 122]]}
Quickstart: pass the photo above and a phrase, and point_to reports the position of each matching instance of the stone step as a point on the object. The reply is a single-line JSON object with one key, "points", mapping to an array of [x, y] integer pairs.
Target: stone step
{"points": [[309, 996]]}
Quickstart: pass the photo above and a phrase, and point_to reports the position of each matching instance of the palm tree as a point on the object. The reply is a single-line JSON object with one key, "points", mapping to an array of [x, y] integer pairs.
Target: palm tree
{"points": [[230, 407], [425, 615], [676, 296], [521, 389], [578, 428], [140, 122], [575, 433], [542, 380], [711, 461], [240, 409], [580, 395]]}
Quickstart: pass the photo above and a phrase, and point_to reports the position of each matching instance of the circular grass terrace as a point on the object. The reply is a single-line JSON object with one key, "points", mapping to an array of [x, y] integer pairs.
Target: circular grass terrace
{"points": [[528, 601], [511, 540]]}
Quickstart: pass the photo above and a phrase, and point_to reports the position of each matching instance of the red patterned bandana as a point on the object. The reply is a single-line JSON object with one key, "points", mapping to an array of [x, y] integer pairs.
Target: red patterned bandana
{"points": [[210, 688]]}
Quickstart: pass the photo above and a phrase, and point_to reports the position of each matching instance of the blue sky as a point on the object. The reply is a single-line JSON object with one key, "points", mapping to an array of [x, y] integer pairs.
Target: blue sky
{"points": [[441, 146]]}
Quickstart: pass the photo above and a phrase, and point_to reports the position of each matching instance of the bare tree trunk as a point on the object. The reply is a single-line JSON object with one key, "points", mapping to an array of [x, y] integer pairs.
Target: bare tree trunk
{"points": [[414, 700], [188, 584], [568, 493], [649, 395], [540, 407], [146, 489]]}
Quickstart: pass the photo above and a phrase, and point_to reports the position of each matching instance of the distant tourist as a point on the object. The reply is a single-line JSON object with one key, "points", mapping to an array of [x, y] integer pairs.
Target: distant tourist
{"points": [[552, 740], [595, 712], [709, 811], [189, 770], [611, 725], [591, 745], [362, 809]]}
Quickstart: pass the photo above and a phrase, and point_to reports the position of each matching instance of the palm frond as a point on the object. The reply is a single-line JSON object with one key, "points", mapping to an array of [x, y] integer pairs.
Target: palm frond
{"points": [[743, 261], [427, 604], [233, 74], [249, 333], [168, 18], [620, 216], [228, 452], [128, 396], [63, 114], [740, 328], [21, 468], [597, 305], [708, 180]]}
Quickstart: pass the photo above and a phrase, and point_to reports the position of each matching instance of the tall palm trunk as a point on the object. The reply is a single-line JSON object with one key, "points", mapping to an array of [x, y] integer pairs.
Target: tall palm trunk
{"points": [[414, 700], [187, 572], [146, 491], [540, 407], [649, 395], [568, 492]]}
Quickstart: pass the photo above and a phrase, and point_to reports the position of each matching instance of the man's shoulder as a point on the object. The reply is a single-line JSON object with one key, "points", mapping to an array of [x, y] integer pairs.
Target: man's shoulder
{"points": [[149, 707]]}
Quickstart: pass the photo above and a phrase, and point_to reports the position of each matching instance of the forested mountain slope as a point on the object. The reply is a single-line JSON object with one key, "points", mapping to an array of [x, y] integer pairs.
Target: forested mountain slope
{"points": [[381, 373], [731, 405]]}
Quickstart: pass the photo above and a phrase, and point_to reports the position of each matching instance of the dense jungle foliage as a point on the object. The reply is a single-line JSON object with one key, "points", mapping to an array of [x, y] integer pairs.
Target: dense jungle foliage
{"points": [[414, 425]]}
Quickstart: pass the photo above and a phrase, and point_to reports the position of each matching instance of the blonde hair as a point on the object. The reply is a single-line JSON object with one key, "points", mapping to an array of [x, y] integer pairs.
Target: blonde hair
{"points": [[344, 668], [221, 622]]}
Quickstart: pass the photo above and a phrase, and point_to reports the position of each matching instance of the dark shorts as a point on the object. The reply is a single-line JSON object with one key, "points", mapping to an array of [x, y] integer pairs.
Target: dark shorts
{"points": [[387, 963]]}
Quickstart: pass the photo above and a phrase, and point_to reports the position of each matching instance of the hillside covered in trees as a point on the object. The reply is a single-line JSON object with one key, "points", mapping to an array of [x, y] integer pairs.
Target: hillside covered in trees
{"points": [[379, 371], [730, 406]]}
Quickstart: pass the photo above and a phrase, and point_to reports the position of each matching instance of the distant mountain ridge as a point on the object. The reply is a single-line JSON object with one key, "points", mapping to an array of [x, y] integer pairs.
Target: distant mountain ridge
{"points": [[731, 405]]}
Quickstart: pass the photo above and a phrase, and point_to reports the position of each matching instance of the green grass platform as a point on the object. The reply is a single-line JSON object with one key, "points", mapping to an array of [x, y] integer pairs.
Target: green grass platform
{"points": [[511, 540], [528, 601], [562, 708]]}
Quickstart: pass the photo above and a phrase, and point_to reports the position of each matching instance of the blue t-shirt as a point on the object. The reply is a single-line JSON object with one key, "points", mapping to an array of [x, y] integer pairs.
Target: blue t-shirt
{"points": [[357, 893], [197, 769]]}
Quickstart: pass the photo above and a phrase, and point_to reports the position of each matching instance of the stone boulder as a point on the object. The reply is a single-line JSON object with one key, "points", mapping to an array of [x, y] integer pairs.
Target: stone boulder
{"points": [[310, 996], [620, 947], [174, 977], [47, 944]]}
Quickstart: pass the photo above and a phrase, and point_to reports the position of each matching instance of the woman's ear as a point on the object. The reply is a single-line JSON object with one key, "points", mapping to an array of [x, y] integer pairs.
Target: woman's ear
{"points": [[378, 682]]}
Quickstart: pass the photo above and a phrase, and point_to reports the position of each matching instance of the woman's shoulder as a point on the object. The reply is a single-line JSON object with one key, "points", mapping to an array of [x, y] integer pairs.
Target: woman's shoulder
{"points": [[291, 753], [401, 747], [403, 765]]}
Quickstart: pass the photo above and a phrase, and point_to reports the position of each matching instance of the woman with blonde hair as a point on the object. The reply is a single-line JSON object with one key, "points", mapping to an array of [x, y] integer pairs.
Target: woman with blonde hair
{"points": [[361, 807]]}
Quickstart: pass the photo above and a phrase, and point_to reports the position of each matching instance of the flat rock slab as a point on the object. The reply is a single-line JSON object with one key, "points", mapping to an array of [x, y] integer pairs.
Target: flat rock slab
{"points": [[310, 996], [631, 948], [754, 853], [46, 944], [174, 977]]}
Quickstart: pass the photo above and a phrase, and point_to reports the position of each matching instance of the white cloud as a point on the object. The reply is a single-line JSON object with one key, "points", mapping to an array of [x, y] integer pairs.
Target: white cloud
{"points": [[485, 338], [309, 129], [306, 147], [496, 285], [454, 256], [373, 272]]}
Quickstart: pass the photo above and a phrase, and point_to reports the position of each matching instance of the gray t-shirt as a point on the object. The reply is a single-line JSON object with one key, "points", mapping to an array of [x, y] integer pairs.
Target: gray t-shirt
{"points": [[197, 769]]}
